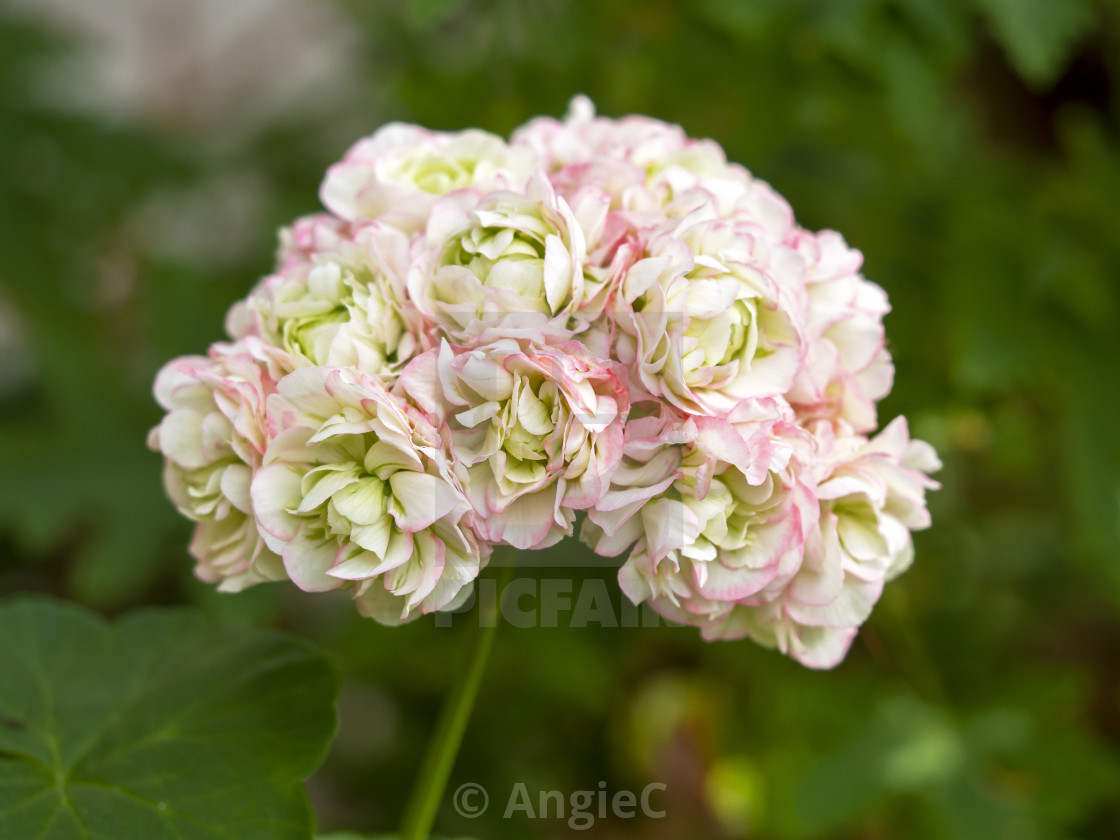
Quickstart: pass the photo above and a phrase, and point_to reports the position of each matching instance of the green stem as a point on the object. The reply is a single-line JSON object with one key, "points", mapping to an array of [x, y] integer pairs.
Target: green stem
{"points": [[426, 796]]}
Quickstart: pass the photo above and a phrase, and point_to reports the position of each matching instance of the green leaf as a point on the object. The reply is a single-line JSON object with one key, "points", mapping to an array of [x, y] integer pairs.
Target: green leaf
{"points": [[161, 726], [1038, 34]]}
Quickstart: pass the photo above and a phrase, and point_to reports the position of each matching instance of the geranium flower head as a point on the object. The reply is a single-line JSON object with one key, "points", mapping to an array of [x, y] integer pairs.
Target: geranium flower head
{"points": [[481, 343]]}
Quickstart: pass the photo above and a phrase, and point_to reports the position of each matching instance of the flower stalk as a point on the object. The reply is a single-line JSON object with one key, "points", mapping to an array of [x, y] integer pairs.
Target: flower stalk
{"points": [[443, 748]]}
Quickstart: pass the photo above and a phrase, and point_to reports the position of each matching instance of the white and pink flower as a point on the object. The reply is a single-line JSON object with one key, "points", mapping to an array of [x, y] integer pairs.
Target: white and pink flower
{"points": [[847, 367], [871, 496], [396, 174], [537, 428], [507, 264], [711, 314], [481, 342], [726, 517], [338, 299], [357, 489], [213, 438]]}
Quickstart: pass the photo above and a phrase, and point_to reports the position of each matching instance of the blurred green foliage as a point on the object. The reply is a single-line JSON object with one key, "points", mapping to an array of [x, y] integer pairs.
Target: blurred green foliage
{"points": [[970, 148]]}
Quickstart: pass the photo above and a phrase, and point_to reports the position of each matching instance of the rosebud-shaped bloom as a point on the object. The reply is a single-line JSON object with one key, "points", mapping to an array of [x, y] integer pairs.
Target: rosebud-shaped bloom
{"points": [[510, 264], [641, 163], [396, 174], [338, 299], [213, 437], [872, 495], [357, 486], [712, 314], [847, 368], [731, 520], [539, 430]]}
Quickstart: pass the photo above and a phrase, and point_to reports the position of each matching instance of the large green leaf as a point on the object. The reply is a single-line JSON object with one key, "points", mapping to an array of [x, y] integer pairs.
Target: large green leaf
{"points": [[161, 726]]}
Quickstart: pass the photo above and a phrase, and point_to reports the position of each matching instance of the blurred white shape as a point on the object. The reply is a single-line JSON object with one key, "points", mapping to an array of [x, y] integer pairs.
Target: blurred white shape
{"points": [[212, 223], [199, 64]]}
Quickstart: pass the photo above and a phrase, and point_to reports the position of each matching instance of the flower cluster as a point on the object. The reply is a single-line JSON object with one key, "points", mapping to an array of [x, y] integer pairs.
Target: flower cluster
{"points": [[600, 324]]}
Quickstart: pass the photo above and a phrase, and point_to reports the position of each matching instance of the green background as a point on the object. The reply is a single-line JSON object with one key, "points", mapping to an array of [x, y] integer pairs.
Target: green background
{"points": [[968, 147]]}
